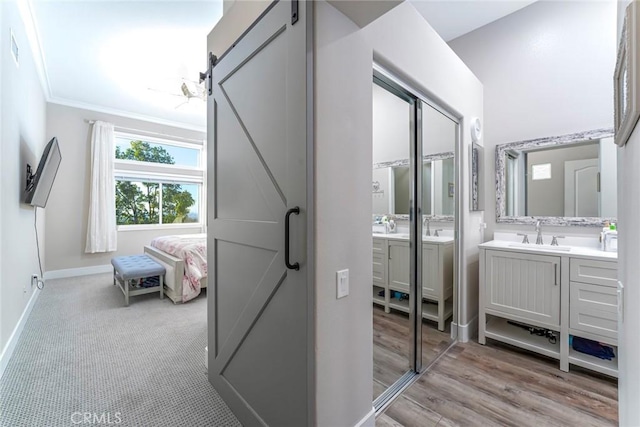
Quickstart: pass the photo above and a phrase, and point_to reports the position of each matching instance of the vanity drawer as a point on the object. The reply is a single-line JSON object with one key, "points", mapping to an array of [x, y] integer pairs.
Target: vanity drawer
{"points": [[379, 246], [594, 309], [379, 269], [603, 273]]}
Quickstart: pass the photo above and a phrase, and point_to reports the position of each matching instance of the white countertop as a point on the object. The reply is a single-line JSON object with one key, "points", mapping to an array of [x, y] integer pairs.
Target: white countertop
{"points": [[576, 251], [441, 240]]}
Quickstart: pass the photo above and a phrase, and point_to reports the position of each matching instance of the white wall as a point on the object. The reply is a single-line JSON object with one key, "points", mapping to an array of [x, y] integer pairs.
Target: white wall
{"points": [[391, 127], [68, 205], [547, 70], [22, 136], [2, 43]]}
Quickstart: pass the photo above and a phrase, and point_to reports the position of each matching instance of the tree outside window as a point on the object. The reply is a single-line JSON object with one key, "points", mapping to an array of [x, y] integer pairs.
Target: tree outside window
{"points": [[140, 202]]}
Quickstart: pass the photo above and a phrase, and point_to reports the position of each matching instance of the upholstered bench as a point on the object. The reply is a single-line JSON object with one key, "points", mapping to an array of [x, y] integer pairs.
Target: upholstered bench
{"points": [[137, 267]]}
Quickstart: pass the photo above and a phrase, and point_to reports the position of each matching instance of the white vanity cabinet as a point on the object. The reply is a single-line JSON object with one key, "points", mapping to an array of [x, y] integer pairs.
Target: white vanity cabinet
{"points": [[380, 274], [523, 288], [569, 294], [437, 275]]}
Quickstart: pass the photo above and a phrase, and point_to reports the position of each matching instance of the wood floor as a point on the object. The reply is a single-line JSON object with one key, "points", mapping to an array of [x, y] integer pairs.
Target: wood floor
{"points": [[499, 385], [391, 346]]}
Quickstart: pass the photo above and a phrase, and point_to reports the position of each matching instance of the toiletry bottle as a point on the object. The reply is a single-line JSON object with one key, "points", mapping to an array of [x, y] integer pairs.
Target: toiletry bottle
{"points": [[605, 228], [611, 239]]}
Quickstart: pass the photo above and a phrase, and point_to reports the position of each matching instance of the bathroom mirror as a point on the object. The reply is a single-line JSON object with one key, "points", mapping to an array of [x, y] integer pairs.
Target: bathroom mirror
{"points": [[563, 180], [476, 191], [391, 187]]}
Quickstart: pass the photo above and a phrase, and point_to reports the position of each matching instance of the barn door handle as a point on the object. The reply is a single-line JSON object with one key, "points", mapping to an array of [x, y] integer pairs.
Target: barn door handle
{"points": [[294, 266]]}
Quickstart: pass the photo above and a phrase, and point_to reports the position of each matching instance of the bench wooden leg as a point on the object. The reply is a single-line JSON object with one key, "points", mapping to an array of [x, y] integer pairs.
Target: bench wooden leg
{"points": [[126, 293], [161, 280]]}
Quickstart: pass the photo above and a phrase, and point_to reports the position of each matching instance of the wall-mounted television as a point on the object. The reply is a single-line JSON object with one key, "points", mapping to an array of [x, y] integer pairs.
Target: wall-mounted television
{"points": [[39, 184]]}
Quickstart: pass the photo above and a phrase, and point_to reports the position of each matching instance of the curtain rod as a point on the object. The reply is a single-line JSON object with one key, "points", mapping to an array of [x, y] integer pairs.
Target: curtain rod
{"points": [[146, 132]]}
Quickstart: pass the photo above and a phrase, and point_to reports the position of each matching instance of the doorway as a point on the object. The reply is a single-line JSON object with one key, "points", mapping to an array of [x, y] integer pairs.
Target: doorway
{"points": [[414, 229]]}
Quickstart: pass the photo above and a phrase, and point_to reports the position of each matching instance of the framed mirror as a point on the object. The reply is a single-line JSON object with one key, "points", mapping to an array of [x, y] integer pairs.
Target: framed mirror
{"points": [[562, 180], [626, 91], [476, 191], [391, 187]]}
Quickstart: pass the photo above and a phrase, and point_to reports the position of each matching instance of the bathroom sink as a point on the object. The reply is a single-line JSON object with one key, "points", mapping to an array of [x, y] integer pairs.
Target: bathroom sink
{"points": [[539, 247]]}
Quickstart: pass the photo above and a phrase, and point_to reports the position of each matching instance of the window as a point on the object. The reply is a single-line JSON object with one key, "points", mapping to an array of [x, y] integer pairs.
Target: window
{"points": [[159, 183]]}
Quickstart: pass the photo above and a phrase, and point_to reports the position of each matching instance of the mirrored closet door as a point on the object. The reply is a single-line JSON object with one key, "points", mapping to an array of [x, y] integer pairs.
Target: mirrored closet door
{"points": [[414, 202], [391, 194], [438, 140]]}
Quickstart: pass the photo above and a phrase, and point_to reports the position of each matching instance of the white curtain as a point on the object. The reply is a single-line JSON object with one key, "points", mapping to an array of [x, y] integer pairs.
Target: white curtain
{"points": [[101, 231]]}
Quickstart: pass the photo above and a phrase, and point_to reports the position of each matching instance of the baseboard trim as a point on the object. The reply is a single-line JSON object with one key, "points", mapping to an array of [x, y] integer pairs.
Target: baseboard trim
{"points": [[369, 420], [76, 272], [468, 331], [7, 352]]}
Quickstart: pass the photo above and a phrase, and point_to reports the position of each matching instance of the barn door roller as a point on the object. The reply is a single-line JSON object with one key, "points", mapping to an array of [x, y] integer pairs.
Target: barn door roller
{"points": [[207, 75]]}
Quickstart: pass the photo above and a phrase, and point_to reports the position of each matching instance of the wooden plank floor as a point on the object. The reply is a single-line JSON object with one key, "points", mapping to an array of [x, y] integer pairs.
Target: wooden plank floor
{"points": [[499, 385], [391, 346]]}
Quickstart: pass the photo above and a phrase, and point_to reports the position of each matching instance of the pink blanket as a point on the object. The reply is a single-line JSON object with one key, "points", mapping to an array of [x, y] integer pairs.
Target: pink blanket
{"points": [[192, 248]]}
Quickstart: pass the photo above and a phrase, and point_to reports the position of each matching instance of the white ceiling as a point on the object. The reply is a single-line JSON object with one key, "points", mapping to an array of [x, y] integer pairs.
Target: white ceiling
{"points": [[129, 57], [453, 18], [126, 56]]}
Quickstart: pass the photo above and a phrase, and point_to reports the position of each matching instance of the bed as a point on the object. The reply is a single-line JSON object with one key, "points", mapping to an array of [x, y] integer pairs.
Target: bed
{"points": [[185, 259]]}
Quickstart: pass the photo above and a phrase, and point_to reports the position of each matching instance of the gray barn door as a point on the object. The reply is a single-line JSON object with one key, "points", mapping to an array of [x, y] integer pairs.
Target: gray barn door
{"points": [[258, 309]]}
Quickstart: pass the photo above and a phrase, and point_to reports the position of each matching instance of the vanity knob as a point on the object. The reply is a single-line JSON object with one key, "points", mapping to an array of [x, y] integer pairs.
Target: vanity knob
{"points": [[554, 240], [525, 237]]}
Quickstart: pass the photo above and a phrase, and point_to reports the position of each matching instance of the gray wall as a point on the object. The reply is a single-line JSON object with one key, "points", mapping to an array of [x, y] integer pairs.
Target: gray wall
{"points": [[343, 159], [69, 200], [546, 197], [547, 70], [629, 271], [22, 139]]}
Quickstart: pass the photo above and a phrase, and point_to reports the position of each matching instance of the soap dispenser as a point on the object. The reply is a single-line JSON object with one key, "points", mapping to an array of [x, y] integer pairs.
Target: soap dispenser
{"points": [[611, 239]]}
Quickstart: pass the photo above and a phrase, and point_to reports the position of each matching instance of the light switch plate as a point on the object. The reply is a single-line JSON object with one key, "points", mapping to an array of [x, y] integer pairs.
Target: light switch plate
{"points": [[342, 283]]}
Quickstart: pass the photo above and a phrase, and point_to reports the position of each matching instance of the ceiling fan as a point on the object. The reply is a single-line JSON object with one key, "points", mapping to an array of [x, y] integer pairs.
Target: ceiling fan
{"points": [[188, 90]]}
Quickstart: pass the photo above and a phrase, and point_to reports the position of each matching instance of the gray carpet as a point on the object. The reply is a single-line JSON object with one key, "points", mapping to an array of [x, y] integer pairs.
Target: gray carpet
{"points": [[82, 352]]}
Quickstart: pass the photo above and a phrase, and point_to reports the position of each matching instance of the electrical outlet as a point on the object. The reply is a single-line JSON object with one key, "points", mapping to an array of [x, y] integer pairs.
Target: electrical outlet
{"points": [[342, 283]]}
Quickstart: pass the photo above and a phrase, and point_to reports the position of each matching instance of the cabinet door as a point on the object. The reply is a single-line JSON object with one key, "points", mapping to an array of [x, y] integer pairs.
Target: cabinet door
{"points": [[399, 266], [431, 281], [523, 285]]}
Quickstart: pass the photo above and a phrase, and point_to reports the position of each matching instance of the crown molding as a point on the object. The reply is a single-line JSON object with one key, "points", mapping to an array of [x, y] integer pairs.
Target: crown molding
{"points": [[125, 114], [25, 8]]}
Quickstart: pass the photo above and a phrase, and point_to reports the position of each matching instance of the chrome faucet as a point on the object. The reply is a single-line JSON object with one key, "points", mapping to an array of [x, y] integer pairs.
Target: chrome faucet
{"points": [[539, 240], [427, 232], [436, 232]]}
